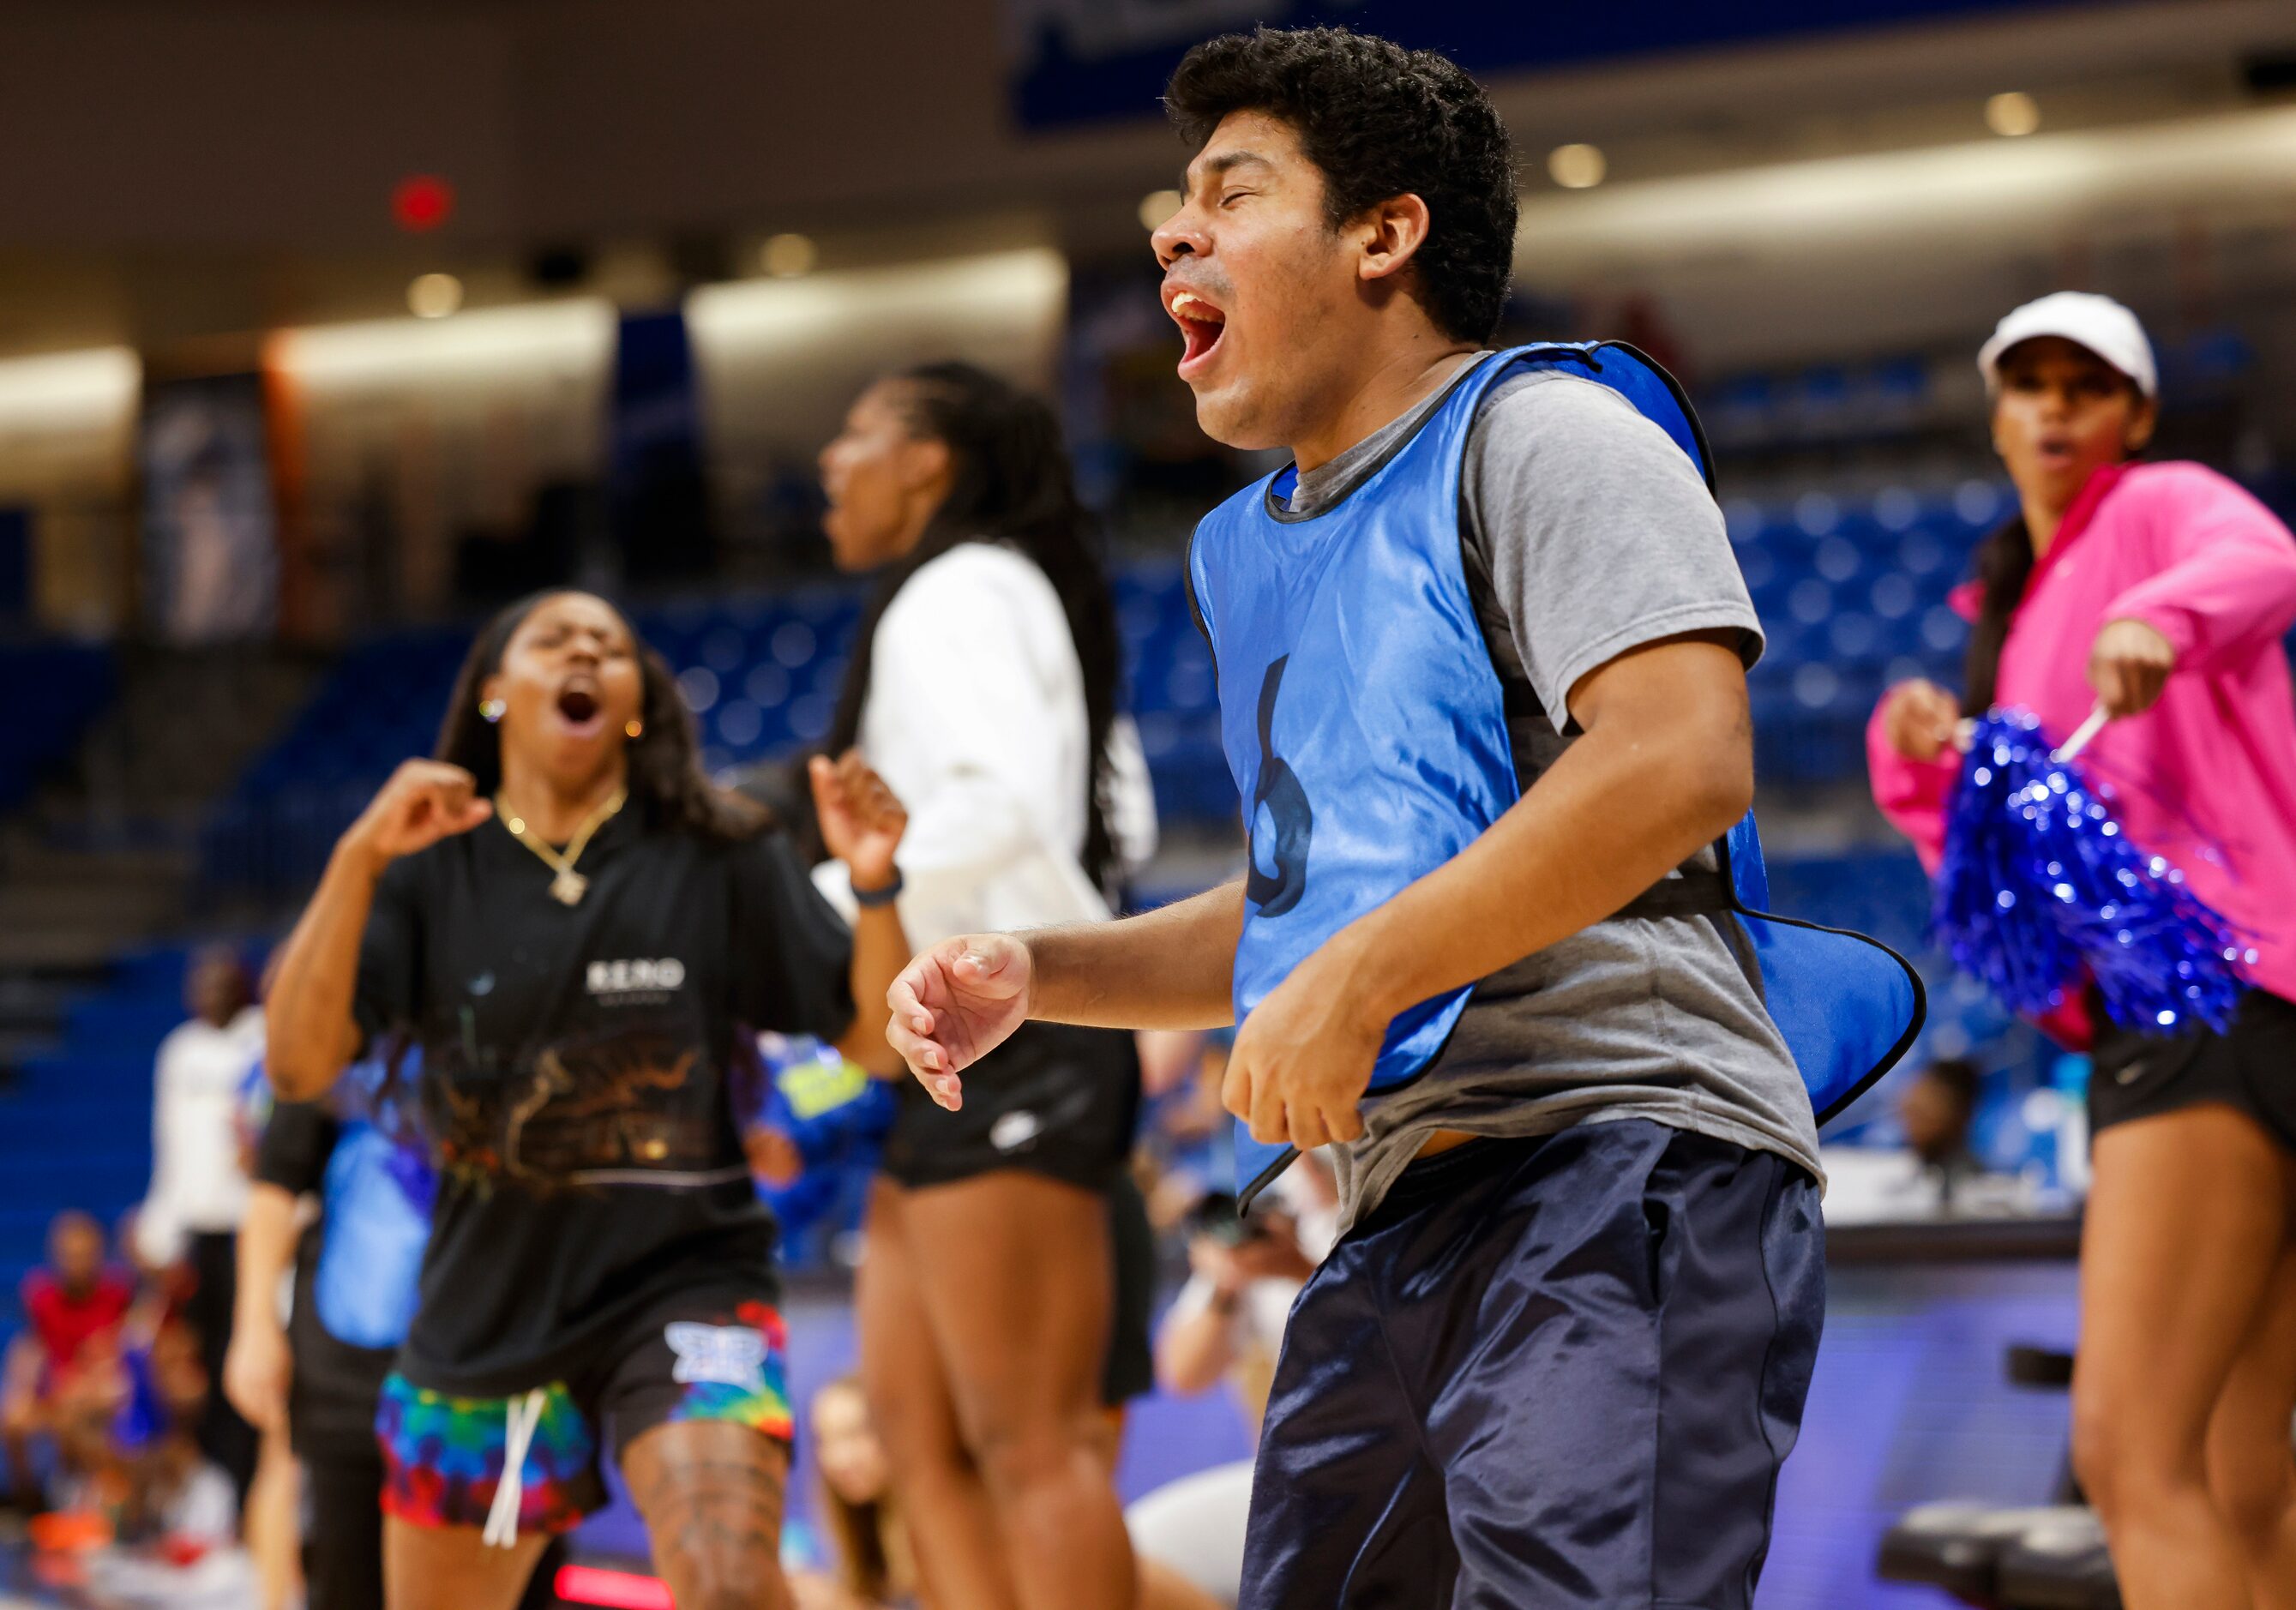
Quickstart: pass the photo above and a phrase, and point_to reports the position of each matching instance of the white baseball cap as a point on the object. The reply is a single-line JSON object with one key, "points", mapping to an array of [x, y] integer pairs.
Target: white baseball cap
{"points": [[2084, 318]]}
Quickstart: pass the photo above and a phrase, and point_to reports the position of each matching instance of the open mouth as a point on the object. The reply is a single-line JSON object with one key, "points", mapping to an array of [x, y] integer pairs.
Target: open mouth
{"points": [[578, 705], [1202, 325]]}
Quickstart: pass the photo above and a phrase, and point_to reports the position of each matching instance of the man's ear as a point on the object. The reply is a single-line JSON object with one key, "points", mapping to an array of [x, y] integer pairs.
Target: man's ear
{"points": [[1390, 234]]}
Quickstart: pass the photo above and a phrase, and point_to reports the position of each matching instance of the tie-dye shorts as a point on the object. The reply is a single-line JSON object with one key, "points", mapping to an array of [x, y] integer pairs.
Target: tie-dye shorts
{"points": [[443, 1456]]}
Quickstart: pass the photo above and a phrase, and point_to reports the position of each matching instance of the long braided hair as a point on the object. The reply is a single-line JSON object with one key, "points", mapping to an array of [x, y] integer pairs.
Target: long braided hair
{"points": [[1011, 483]]}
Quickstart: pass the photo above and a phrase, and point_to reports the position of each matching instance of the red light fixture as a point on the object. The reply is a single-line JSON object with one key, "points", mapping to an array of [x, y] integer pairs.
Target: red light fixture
{"points": [[420, 202]]}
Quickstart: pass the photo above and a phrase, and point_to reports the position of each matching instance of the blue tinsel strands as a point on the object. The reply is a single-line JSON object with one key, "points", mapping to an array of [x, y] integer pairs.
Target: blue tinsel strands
{"points": [[2040, 886]]}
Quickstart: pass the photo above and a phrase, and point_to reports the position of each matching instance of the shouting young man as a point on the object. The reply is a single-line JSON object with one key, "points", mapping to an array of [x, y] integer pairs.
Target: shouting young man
{"points": [[1481, 655]]}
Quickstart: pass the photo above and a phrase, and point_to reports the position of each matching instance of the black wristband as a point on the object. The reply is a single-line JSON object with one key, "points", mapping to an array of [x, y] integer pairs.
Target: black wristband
{"points": [[871, 899]]}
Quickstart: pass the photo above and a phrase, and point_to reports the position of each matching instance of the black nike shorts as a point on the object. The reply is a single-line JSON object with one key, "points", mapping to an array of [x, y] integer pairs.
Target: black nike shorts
{"points": [[1053, 1100], [2251, 1069]]}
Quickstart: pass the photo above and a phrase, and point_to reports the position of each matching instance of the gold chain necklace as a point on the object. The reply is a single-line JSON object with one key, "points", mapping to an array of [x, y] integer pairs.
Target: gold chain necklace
{"points": [[568, 886]]}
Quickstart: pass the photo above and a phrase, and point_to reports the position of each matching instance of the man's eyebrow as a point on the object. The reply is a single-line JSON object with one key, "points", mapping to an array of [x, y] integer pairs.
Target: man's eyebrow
{"points": [[1226, 160]]}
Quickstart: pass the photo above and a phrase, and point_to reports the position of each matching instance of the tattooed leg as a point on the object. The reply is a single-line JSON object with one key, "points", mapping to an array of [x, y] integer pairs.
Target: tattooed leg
{"points": [[710, 1491]]}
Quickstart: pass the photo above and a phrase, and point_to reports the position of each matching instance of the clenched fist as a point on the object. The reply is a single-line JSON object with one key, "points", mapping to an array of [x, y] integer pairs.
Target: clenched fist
{"points": [[424, 801], [2129, 665], [1920, 718]]}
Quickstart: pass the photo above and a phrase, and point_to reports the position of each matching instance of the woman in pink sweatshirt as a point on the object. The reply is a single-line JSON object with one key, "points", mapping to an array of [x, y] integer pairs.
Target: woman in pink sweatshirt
{"points": [[2162, 591]]}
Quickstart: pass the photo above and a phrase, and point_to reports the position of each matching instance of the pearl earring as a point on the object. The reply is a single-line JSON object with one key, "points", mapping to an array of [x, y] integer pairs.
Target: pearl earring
{"points": [[492, 709], [634, 727]]}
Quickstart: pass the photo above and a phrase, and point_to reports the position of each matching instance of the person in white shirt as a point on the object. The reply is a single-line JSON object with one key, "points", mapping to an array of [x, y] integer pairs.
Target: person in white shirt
{"points": [[200, 1155], [983, 688], [1226, 1326]]}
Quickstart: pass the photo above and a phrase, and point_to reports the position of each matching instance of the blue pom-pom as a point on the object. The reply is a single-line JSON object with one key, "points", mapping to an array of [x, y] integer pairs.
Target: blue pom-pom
{"points": [[2039, 887]]}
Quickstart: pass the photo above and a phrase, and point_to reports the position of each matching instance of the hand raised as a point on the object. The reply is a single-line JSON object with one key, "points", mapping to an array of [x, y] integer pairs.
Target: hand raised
{"points": [[861, 820], [954, 1004], [424, 801], [1920, 719], [774, 1157], [2129, 665]]}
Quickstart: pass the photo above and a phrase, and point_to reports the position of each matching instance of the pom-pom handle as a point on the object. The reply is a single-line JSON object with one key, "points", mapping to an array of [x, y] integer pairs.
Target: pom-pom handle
{"points": [[2083, 735]]}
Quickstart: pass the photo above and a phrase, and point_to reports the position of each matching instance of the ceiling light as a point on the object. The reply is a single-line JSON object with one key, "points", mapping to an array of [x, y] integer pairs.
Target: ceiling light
{"points": [[2012, 113], [434, 295], [1577, 166], [785, 257], [1157, 206]]}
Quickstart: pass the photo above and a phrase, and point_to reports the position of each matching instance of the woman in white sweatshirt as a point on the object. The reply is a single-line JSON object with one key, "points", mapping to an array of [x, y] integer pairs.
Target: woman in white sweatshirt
{"points": [[983, 688]]}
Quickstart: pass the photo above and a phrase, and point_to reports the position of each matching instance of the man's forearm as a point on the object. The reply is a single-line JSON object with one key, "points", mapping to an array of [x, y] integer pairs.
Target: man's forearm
{"points": [[1170, 968], [1609, 820]]}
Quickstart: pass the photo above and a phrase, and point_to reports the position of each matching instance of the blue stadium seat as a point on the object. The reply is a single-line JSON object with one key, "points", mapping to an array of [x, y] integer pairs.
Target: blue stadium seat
{"points": [[723, 648], [739, 725], [766, 687], [75, 682], [1893, 595], [1837, 559], [1818, 513], [1943, 630]]}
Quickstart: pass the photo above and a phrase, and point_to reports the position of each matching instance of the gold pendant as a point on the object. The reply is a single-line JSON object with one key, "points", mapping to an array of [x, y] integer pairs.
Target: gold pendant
{"points": [[568, 886]]}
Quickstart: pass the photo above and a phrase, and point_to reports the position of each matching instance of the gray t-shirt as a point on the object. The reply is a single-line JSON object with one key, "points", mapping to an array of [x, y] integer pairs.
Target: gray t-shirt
{"points": [[1587, 533]]}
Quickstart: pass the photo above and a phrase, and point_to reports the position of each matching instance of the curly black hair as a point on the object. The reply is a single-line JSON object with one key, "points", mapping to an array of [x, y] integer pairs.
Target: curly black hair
{"points": [[1379, 121]]}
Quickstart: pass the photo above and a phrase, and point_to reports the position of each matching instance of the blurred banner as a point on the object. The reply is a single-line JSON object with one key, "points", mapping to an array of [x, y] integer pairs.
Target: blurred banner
{"points": [[1081, 60], [427, 464], [210, 560]]}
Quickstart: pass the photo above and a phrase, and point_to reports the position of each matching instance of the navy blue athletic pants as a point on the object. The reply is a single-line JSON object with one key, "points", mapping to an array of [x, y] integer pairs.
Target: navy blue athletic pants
{"points": [[1545, 1373]]}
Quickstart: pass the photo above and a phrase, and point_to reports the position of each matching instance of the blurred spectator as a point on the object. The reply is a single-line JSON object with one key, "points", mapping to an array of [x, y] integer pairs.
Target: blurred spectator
{"points": [[141, 1518], [1226, 1325], [73, 1307], [79, 1297], [872, 1569], [812, 1124], [1228, 1322], [1935, 1112], [1310, 1194], [1186, 1148], [200, 1153]]}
